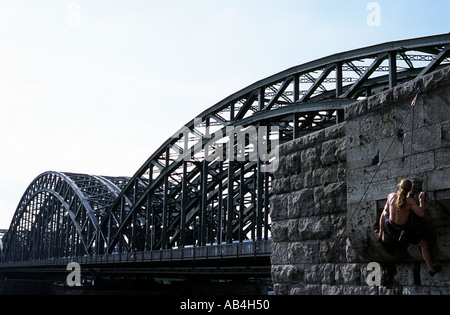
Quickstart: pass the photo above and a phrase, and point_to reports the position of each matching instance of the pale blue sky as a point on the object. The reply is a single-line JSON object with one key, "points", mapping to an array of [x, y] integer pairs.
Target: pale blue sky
{"points": [[96, 86]]}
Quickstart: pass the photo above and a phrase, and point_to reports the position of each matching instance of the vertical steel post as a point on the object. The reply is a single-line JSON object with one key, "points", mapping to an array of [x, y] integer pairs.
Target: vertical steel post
{"points": [[203, 205], [392, 70], [339, 79], [259, 192], [296, 90], [164, 238], [220, 208], [230, 215], [184, 194], [241, 203], [149, 214]]}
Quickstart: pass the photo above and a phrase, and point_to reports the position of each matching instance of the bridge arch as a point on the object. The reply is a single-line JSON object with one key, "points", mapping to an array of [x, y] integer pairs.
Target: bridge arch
{"points": [[228, 199], [59, 215], [204, 185]]}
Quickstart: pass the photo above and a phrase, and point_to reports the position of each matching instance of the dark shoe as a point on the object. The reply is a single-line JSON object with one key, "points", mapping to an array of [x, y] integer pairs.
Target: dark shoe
{"points": [[437, 269]]}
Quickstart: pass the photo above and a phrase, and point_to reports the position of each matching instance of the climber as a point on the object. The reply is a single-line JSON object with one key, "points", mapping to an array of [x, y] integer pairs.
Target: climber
{"points": [[396, 221]]}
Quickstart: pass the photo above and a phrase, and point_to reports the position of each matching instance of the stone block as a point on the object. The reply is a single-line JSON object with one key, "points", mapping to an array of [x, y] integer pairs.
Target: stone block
{"points": [[281, 170], [414, 290], [279, 207], [306, 289], [435, 108], [445, 134], [314, 138], [332, 174], [379, 101], [287, 273], [437, 180], [390, 290], [292, 229], [359, 290], [439, 290], [301, 181], [442, 243], [438, 208], [332, 250], [310, 158], [281, 289], [281, 185], [348, 274], [338, 223], [341, 147], [424, 139], [279, 253], [404, 275], [353, 130], [280, 231], [320, 273], [332, 290], [377, 125], [303, 252], [363, 156], [442, 279], [442, 158], [289, 164], [314, 228], [406, 92], [420, 163], [330, 199], [350, 253], [287, 148], [336, 131], [355, 110], [328, 153], [301, 203], [436, 79]]}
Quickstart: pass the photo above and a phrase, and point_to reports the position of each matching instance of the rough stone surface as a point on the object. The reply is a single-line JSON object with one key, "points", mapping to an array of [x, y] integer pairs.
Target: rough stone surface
{"points": [[331, 184]]}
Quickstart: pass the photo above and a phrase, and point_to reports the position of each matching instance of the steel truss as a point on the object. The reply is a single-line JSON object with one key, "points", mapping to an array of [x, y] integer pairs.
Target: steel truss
{"points": [[59, 215], [204, 185]]}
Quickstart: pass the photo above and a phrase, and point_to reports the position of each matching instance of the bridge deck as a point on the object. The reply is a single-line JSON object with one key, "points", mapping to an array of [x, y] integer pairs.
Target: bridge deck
{"points": [[256, 254]]}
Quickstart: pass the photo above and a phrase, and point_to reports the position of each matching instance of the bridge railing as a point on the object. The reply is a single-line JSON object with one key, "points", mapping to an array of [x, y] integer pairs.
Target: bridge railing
{"points": [[186, 254]]}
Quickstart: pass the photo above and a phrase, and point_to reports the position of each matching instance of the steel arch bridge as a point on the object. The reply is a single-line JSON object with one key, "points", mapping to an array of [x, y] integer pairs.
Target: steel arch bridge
{"points": [[210, 183]]}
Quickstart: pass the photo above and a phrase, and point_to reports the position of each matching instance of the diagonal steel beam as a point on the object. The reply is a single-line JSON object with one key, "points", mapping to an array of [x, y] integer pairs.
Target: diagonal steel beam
{"points": [[318, 82], [436, 62], [376, 63]]}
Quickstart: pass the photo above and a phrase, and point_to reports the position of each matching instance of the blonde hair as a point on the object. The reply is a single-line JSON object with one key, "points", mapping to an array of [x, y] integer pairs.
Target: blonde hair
{"points": [[404, 187]]}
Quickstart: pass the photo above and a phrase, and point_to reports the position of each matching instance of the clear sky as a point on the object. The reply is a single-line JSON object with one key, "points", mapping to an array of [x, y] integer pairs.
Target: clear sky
{"points": [[96, 86]]}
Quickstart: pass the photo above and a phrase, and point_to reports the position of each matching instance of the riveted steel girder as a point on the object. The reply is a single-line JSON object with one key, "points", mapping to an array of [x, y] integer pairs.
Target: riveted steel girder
{"points": [[187, 196], [59, 215], [210, 182]]}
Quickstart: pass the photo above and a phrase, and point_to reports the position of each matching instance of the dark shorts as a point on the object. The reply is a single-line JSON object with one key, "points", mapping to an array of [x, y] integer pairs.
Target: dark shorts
{"points": [[405, 233]]}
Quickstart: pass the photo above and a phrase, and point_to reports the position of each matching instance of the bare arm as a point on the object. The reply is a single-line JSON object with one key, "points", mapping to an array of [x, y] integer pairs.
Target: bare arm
{"points": [[386, 207], [418, 209]]}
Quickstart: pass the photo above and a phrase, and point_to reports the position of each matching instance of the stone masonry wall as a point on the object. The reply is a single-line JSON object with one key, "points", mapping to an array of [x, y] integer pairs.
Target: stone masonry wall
{"points": [[331, 186]]}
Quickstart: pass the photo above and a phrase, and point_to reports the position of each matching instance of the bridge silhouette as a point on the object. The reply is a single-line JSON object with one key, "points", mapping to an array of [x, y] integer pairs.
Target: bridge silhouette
{"points": [[201, 201]]}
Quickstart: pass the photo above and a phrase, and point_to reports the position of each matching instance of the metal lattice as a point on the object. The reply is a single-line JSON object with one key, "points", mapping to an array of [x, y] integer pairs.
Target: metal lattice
{"points": [[204, 186], [59, 215]]}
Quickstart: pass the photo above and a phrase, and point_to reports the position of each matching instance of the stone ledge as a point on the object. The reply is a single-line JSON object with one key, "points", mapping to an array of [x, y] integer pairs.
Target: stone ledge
{"points": [[404, 92]]}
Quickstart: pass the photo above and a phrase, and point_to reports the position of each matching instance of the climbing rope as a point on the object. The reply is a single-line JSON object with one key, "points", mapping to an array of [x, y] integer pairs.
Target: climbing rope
{"points": [[413, 105], [349, 220]]}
